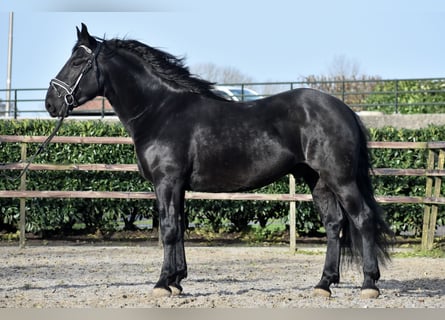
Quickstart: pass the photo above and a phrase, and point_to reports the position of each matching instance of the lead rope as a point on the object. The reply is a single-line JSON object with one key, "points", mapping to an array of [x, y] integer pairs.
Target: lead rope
{"points": [[70, 103], [41, 148]]}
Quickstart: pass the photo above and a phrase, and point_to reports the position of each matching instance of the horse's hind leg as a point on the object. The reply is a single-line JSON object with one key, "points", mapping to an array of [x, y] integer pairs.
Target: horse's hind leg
{"points": [[332, 217], [362, 219]]}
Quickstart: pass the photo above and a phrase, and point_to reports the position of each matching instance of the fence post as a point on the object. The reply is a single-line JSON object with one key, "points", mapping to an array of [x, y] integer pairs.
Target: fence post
{"points": [[428, 208], [292, 218], [430, 211], [437, 189], [22, 223]]}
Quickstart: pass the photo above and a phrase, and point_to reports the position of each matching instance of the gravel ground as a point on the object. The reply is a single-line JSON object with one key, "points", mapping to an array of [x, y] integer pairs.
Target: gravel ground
{"points": [[123, 276]]}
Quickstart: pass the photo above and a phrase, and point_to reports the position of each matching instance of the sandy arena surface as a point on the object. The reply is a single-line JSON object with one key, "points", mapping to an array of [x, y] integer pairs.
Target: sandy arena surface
{"points": [[123, 276]]}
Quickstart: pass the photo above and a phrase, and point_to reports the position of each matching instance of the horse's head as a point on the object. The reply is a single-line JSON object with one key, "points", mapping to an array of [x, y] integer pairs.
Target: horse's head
{"points": [[78, 81]]}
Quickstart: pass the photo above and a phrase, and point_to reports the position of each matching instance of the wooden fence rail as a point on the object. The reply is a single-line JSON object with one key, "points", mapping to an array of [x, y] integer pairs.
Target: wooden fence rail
{"points": [[432, 199]]}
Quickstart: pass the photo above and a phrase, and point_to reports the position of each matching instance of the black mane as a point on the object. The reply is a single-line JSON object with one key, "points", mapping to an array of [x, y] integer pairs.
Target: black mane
{"points": [[169, 69]]}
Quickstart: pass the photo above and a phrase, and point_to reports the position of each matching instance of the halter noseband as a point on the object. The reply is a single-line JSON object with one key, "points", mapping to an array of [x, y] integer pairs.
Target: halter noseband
{"points": [[69, 98]]}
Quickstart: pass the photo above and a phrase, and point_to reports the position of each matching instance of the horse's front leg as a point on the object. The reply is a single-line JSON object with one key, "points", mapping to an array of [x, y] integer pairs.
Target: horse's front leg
{"points": [[170, 198]]}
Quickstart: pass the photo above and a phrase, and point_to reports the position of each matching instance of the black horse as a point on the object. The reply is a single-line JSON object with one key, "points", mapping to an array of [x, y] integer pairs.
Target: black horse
{"points": [[188, 138]]}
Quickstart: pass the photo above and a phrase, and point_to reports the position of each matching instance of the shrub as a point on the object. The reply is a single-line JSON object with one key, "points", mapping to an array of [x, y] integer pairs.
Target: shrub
{"points": [[408, 96], [63, 216]]}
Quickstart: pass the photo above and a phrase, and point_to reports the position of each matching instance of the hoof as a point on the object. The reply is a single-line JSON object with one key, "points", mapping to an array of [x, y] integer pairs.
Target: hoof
{"points": [[175, 291], [369, 294], [161, 292], [319, 292]]}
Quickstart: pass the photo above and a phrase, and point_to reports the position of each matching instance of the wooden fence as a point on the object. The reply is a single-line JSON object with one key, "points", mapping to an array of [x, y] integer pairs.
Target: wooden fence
{"points": [[432, 199]]}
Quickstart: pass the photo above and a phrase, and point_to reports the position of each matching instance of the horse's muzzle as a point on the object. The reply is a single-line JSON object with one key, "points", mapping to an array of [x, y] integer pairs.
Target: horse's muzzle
{"points": [[55, 105]]}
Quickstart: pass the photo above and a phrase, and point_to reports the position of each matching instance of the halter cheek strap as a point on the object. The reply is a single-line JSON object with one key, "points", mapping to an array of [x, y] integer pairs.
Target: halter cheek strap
{"points": [[69, 98]]}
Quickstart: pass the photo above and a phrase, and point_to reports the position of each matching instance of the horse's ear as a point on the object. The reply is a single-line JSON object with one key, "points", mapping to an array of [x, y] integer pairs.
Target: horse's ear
{"points": [[83, 35]]}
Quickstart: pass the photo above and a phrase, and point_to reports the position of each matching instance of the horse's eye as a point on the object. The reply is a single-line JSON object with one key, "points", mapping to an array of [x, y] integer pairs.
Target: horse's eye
{"points": [[76, 62]]}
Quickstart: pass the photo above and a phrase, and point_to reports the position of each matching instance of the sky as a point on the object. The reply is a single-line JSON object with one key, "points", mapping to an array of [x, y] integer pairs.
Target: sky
{"points": [[279, 40]]}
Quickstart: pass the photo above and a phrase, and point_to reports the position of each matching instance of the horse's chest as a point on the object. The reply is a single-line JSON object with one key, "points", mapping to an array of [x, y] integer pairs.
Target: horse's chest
{"points": [[160, 160]]}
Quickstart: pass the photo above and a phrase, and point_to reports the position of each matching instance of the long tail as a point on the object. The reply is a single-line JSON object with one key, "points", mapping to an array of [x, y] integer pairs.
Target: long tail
{"points": [[352, 239]]}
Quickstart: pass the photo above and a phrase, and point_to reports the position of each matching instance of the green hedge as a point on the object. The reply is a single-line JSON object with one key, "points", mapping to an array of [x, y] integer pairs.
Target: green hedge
{"points": [[410, 96], [55, 216], [61, 216]]}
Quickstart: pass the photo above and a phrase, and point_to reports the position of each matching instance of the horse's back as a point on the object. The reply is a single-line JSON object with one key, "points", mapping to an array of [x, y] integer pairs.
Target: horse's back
{"points": [[311, 117], [223, 146], [252, 144]]}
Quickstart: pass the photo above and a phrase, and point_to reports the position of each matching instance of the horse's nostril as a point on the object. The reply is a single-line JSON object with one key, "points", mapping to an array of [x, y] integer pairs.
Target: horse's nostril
{"points": [[50, 108]]}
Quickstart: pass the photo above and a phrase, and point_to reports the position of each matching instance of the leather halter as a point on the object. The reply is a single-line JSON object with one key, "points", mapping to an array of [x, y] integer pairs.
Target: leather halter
{"points": [[69, 98]]}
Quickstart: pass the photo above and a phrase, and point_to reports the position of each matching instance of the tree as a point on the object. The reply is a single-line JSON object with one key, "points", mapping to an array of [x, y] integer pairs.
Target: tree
{"points": [[342, 67], [345, 81], [212, 72]]}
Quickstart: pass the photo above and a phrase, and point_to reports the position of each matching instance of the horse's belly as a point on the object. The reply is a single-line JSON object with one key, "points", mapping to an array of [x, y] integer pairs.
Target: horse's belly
{"points": [[230, 175]]}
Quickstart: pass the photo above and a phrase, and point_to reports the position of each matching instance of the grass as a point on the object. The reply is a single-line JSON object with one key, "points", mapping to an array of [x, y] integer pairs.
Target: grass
{"points": [[436, 253], [271, 233], [417, 252], [310, 252], [275, 233]]}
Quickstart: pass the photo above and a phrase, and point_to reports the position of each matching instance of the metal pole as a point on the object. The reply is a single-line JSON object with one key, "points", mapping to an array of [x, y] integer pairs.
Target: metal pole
{"points": [[8, 77]]}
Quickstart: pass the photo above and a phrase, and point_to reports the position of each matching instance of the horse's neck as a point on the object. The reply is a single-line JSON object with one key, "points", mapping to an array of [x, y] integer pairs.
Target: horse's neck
{"points": [[135, 100]]}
